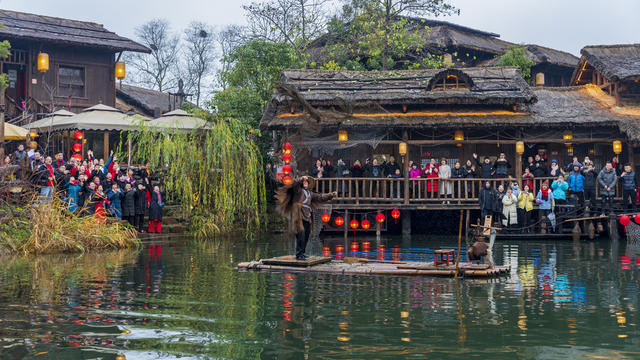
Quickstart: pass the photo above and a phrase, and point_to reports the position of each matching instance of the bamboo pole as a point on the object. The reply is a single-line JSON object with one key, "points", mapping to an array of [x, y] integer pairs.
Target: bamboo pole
{"points": [[459, 243]]}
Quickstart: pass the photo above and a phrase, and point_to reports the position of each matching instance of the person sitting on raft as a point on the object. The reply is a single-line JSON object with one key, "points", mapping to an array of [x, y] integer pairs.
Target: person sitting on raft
{"points": [[297, 202]]}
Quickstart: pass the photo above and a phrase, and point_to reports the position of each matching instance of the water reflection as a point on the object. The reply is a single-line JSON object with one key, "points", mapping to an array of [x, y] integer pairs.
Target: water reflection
{"points": [[186, 299]]}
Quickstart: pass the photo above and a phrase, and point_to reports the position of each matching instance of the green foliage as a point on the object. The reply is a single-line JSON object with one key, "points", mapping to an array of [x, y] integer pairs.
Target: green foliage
{"points": [[254, 71], [5, 52], [215, 175], [372, 35], [516, 57]]}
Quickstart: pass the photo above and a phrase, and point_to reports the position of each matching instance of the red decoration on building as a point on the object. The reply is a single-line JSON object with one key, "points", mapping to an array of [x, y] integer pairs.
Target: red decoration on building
{"points": [[365, 224], [380, 218], [339, 221], [287, 180], [637, 218], [354, 224], [624, 220], [286, 147], [78, 135], [78, 157], [286, 169], [395, 214], [77, 147], [286, 158]]}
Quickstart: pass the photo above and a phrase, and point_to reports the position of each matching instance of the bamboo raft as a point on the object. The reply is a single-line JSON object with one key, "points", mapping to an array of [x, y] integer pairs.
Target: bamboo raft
{"points": [[358, 266]]}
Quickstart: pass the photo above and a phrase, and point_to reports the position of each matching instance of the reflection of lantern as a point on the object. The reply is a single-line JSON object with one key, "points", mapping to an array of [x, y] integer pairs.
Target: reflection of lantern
{"points": [[567, 136], [286, 158], [617, 146], [43, 62], [77, 147], [520, 147], [402, 149], [624, 220], [380, 218], [354, 224], [325, 217], [120, 70], [365, 224], [366, 245], [287, 180], [78, 135], [286, 169], [77, 157], [339, 221], [326, 251], [637, 218], [343, 135], [339, 248], [458, 135], [354, 246], [395, 213]]}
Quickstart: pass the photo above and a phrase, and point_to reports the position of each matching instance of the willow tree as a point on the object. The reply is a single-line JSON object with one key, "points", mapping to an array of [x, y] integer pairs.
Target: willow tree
{"points": [[215, 174]]}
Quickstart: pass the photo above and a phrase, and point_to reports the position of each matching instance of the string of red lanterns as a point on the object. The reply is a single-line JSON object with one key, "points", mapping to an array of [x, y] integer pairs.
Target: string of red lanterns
{"points": [[77, 147], [286, 169]]}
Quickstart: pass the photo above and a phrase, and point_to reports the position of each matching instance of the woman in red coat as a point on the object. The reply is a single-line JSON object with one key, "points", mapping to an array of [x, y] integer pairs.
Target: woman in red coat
{"points": [[101, 201], [432, 171]]}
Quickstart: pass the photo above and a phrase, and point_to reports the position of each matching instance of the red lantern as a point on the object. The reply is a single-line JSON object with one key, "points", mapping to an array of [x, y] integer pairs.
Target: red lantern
{"points": [[77, 157], [395, 214], [286, 169], [339, 221], [637, 218], [365, 224], [287, 180], [325, 218], [380, 218], [78, 135], [286, 147], [286, 158], [77, 147], [354, 224], [624, 220]]}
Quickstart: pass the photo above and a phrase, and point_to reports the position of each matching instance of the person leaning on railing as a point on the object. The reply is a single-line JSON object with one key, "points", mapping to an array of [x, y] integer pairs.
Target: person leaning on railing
{"points": [[607, 180]]}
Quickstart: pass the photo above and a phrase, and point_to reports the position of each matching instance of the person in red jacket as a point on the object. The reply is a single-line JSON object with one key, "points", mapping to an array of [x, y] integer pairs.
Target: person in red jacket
{"points": [[432, 171]]}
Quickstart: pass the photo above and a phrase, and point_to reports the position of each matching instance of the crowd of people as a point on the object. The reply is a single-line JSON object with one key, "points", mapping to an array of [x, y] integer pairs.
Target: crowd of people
{"points": [[95, 187], [511, 203]]}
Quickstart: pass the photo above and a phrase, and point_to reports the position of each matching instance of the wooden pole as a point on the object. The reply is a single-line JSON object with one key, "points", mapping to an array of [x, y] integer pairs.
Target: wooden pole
{"points": [[106, 145], [405, 137], [459, 243]]}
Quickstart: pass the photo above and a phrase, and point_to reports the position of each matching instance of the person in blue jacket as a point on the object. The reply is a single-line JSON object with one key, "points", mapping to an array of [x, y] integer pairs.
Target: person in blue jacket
{"points": [[560, 188], [629, 186], [115, 196], [73, 194], [576, 183]]}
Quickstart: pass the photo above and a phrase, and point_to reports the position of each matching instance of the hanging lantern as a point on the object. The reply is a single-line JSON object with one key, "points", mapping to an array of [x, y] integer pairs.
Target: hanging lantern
{"points": [[380, 218], [286, 169], [43, 62], [325, 217], [339, 221], [77, 147], [567, 136], [520, 147], [33, 145], [33, 134], [570, 150], [78, 135], [624, 220], [402, 149], [636, 218], [286, 158], [617, 146], [354, 224], [287, 180], [458, 135], [120, 70], [286, 147], [395, 213], [343, 135], [365, 224], [77, 157]]}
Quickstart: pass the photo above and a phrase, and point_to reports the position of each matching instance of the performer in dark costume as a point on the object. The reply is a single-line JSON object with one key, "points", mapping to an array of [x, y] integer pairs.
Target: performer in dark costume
{"points": [[297, 202]]}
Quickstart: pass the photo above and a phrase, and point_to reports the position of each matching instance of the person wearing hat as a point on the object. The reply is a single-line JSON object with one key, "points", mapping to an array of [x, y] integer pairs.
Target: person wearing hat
{"points": [[545, 201], [555, 170], [576, 183], [297, 202]]}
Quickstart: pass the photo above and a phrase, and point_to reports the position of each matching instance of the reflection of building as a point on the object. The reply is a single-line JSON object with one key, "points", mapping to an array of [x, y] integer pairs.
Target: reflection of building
{"points": [[81, 67]]}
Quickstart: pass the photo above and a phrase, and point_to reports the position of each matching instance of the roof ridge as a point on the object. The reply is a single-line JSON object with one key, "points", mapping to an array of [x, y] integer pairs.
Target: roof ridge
{"points": [[4, 11], [612, 46]]}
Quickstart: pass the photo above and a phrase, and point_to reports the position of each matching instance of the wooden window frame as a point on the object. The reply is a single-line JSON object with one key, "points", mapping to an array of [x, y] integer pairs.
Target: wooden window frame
{"points": [[84, 88]]}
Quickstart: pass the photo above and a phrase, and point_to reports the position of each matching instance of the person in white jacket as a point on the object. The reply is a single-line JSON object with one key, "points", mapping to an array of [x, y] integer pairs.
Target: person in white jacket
{"points": [[509, 209], [445, 173]]}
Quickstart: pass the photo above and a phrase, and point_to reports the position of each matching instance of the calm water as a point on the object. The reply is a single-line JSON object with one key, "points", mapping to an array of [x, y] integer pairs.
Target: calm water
{"points": [[185, 299]]}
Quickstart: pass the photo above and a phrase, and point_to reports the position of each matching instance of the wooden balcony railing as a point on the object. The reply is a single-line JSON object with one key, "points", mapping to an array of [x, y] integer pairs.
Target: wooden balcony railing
{"points": [[420, 191]]}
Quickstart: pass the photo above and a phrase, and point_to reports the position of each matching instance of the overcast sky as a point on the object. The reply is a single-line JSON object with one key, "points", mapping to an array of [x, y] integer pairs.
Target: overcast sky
{"points": [[561, 24]]}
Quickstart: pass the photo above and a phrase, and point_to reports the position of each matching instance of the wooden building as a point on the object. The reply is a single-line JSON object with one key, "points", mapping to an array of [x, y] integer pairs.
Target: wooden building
{"points": [[468, 47], [613, 68], [451, 113], [81, 64], [147, 102]]}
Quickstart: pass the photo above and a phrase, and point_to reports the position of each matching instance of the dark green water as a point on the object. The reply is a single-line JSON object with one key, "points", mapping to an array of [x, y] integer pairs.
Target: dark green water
{"points": [[185, 299]]}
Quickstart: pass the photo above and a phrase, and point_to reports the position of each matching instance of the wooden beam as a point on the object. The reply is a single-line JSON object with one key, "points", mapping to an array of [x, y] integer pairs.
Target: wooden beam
{"points": [[450, 141], [405, 138]]}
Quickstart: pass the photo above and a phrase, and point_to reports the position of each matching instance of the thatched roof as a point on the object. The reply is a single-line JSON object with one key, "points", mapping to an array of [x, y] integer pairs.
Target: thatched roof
{"points": [[615, 62], [442, 35], [19, 25], [144, 100]]}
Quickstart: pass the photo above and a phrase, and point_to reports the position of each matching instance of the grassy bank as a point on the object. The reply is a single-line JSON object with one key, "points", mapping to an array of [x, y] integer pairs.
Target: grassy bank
{"points": [[47, 228]]}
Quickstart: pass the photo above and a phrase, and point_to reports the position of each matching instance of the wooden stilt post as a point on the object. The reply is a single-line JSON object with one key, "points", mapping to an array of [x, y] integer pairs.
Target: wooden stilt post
{"points": [[459, 243], [405, 138], [466, 226], [346, 224]]}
